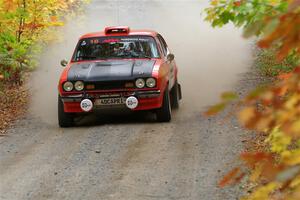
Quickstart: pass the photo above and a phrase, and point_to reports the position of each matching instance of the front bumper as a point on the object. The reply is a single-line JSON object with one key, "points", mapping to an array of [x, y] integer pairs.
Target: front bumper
{"points": [[148, 100]]}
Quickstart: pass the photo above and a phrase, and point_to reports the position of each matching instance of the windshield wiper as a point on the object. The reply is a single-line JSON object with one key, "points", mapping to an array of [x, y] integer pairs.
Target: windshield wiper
{"points": [[87, 57], [146, 56]]}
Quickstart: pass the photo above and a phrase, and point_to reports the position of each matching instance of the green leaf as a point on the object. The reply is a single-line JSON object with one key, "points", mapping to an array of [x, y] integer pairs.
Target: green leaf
{"points": [[215, 109], [229, 96]]}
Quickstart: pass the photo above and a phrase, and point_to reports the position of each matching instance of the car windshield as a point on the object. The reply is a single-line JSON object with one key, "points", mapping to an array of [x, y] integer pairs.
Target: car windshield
{"points": [[116, 47]]}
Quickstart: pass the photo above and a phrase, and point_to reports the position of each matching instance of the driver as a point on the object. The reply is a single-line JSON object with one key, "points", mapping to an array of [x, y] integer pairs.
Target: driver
{"points": [[117, 49], [130, 50]]}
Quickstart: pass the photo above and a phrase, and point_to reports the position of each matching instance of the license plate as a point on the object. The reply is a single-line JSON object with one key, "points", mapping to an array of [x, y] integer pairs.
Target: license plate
{"points": [[109, 101]]}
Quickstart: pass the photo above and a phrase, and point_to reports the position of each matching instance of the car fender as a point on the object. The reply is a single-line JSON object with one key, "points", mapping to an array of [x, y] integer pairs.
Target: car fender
{"points": [[63, 78]]}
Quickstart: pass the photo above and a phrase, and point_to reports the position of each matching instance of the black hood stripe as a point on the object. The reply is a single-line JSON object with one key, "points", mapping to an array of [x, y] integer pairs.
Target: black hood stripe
{"points": [[111, 70]]}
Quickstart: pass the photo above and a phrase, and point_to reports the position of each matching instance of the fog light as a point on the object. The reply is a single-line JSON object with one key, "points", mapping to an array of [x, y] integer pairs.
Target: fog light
{"points": [[132, 102], [86, 105]]}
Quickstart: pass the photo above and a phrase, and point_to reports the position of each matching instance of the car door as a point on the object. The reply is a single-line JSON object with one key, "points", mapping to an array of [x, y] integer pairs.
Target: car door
{"points": [[171, 64]]}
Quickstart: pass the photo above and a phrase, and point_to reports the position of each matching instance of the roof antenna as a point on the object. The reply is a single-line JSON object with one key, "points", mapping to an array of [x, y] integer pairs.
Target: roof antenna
{"points": [[118, 12]]}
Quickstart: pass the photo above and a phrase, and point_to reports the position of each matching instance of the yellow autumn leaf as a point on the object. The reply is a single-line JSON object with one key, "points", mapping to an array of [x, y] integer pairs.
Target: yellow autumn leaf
{"points": [[278, 140], [214, 2], [246, 115], [275, 2], [57, 23], [256, 173], [294, 195], [296, 182], [263, 124], [295, 127], [291, 157], [53, 18], [267, 96], [291, 102], [263, 192], [283, 116], [286, 154]]}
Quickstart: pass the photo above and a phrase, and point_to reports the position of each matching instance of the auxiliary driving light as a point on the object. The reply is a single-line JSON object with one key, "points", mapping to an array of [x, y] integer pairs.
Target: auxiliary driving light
{"points": [[86, 105], [132, 102]]}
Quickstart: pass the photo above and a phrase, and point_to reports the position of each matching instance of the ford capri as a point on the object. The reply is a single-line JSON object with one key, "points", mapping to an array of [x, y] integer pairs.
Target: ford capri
{"points": [[119, 69]]}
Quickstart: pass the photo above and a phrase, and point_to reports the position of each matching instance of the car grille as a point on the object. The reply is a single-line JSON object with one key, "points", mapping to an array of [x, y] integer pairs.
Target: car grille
{"points": [[110, 85]]}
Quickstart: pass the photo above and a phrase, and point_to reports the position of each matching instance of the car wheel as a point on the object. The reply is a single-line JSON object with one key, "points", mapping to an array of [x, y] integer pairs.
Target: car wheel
{"points": [[163, 114], [175, 95], [64, 119]]}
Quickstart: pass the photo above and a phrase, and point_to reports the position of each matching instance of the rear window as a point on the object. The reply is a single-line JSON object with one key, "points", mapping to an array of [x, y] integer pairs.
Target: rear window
{"points": [[116, 47]]}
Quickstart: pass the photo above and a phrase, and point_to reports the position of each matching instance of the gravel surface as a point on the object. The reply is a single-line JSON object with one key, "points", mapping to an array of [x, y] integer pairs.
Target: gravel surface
{"points": [[132, 157]]}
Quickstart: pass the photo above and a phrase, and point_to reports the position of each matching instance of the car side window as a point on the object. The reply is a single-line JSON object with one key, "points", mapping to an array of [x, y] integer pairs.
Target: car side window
{"points": [[159, 45], [163, 45]]}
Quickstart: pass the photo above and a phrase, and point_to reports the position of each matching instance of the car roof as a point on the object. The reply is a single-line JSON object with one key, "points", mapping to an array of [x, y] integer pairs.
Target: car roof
{"points": [[121, 31]]}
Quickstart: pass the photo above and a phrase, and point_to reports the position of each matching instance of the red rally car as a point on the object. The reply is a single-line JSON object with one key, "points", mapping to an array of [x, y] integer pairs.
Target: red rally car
{"points": [[119, 69]]}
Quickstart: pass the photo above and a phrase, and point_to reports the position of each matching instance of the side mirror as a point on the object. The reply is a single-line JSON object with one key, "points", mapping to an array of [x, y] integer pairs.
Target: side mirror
{"points": [[64, 63], [170, 57]]}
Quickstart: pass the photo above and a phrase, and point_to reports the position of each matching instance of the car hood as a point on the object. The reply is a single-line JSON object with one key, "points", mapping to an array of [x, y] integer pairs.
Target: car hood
{"points": [[110, 70]]}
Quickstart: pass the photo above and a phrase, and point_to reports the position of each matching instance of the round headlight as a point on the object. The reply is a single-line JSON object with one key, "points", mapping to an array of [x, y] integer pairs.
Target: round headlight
{"points": [[79, 85], [151, 82], [68, 86], [140, 83]]}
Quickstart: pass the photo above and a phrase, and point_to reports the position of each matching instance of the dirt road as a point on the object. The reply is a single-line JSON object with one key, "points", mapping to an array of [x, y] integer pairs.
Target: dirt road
{"points": [[131, 157]]}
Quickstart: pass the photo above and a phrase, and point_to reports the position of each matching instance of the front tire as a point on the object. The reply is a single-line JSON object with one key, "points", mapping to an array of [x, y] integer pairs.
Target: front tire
{"points": [[163, 114], [175, 95], [64, 119]]}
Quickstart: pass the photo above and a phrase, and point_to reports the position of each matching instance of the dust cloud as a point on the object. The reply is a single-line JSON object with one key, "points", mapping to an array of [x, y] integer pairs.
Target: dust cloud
{"points": [[210, 60]]}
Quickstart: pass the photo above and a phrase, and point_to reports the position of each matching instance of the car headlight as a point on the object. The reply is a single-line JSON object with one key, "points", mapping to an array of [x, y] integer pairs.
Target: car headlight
{"points": [[68, 86], [140, 83], [151, 82], [79, 85]]}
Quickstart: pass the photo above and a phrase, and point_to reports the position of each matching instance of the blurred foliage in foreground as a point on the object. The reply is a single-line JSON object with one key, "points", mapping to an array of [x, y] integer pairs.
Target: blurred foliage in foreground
{"points": [[271, 109], [269, 66], [23, 25]]}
